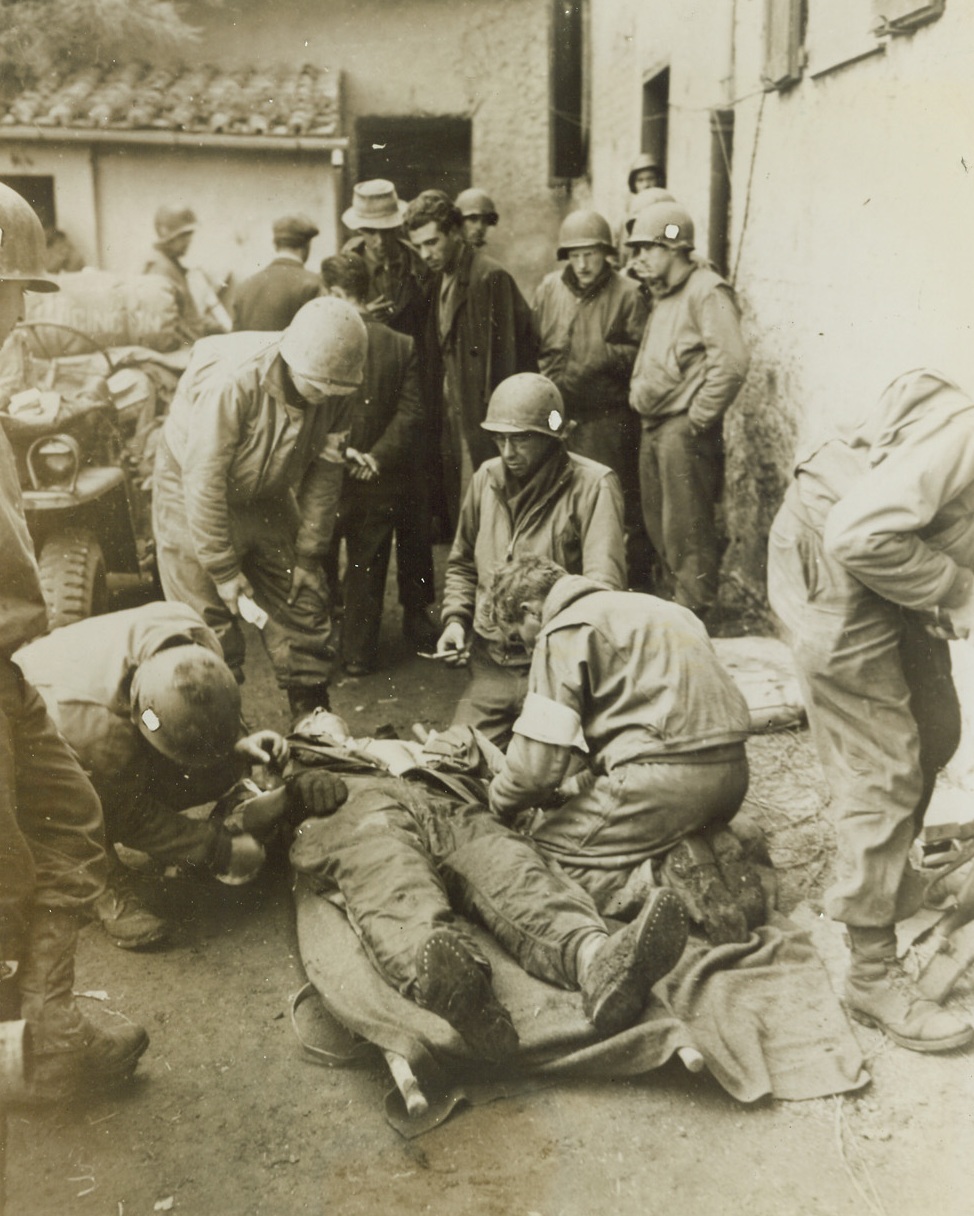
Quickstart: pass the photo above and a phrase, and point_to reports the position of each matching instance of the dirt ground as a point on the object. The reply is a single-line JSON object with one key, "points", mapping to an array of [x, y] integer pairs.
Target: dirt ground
{"points": [[228, 1117]]}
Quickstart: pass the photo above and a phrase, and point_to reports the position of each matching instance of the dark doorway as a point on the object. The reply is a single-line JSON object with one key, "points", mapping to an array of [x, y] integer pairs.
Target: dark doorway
{"points": [[656, 115], [38, 191], [415, 153]]}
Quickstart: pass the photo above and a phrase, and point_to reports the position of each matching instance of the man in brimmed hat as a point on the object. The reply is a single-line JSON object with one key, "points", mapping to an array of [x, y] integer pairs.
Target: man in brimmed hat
{"points": [[590, 321], [269, 299], [174, 232], [400, 294], [479, 213], [533, 497], [248, 474], [481, 325]]}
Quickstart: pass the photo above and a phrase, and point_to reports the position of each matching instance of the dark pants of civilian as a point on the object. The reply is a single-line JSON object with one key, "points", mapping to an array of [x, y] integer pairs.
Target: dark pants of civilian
{"points": [[493, 696], [406, 861], [296, 635], [52, 852], [883, 711], [414, 535], [366, 518], [613, 440], [681, 479]]}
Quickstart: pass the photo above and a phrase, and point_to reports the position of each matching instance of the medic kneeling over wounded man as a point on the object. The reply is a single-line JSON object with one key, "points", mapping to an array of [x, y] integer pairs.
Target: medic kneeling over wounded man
{"points": [[626, 692], [148, 705], [409, 855]]}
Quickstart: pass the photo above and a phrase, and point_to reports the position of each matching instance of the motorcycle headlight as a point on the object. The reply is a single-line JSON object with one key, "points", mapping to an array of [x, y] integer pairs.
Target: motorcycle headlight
{"points": [[53, 463]]}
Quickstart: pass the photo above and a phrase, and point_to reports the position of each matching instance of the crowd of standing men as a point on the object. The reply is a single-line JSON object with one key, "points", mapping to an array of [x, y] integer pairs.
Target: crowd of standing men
{"points": [[572, 451]]}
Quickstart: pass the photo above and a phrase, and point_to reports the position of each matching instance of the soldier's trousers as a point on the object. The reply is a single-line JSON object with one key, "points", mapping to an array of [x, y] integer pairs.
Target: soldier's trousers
{"points": [[883, 712], [406, 861]]}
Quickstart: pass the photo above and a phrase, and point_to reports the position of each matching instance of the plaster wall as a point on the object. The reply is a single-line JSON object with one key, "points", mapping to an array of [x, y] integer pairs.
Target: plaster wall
{"points": [[486, 60], [74, 196], [236, 197]]}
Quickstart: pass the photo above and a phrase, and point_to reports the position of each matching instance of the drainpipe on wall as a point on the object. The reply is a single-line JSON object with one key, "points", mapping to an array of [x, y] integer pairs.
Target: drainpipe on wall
{"points": [[721, 159]]}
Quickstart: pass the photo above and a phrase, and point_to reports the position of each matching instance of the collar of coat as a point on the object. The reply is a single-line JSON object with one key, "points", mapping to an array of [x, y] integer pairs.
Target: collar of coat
{"points": [[598, 284]]}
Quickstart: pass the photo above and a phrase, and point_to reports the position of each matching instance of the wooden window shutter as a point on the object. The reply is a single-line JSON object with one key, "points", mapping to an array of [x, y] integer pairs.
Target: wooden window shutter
{"points": [[783, 54], [901, 16]]}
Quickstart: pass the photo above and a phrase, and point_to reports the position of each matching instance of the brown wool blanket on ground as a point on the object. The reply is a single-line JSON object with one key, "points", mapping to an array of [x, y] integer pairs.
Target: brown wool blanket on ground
{"points": [[762, 1014]]}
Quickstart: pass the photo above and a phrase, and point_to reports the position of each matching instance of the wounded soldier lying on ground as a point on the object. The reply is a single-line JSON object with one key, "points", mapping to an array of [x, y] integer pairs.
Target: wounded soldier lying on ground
{"points": [[415, 848]]}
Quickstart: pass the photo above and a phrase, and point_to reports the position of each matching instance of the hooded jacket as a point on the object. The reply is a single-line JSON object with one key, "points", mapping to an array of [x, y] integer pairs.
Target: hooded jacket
{"points": [[894, 501], [577, 523]]}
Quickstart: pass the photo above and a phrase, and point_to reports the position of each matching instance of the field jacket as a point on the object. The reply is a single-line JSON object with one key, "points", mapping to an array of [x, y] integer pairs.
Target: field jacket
{"points": [[692, 359], [894, 503], [22, 612], [578, 524], [231, 437], [84, 672], [626, 678], [588, 340]]}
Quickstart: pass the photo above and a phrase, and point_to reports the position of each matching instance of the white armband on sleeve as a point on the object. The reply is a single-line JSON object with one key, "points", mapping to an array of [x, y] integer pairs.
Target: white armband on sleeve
{"points": [[548, 721]]}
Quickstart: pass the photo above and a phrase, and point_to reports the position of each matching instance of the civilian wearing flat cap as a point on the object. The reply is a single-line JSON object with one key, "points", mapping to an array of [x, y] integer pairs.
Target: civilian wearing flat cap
{"points": [[269, 299], [174, 229], [400, 294]]}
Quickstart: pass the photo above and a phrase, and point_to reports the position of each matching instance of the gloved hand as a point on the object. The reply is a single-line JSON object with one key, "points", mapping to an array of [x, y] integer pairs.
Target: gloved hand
{"points": [[314, 793], [246, 860]]}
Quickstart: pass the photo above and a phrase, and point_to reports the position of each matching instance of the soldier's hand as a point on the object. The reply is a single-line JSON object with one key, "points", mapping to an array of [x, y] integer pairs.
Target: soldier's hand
{"points": [[961, 618], [452, 644], [315, 792], [233, 589], [303, 578], [264, 747]]}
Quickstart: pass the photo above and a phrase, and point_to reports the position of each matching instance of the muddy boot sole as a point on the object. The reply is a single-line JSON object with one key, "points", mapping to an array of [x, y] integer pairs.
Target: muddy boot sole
{"points": [[619, 981], [452, 984]]}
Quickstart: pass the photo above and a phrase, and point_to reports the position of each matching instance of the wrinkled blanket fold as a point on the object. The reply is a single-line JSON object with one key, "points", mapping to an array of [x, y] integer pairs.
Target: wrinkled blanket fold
{"points": [[762, 1014]]}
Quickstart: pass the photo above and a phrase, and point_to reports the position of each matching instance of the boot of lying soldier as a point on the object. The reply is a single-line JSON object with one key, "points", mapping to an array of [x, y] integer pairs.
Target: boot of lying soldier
{"points": [[615, 972]]}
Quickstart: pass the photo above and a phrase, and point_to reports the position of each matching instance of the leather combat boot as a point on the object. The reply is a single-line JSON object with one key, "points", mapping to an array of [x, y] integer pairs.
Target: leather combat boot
{"points": [[71, 1056], [455, 985], [691, 869], [879, 993], [123, 916], [616, 985]]}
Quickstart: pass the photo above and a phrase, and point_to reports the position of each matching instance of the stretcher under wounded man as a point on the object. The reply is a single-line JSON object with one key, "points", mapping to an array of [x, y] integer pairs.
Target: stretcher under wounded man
{"points": [[431, 930]]}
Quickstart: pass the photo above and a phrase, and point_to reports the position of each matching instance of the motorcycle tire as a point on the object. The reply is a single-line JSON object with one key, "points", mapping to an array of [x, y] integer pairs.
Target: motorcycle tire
{"points": [[73, 577]]}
